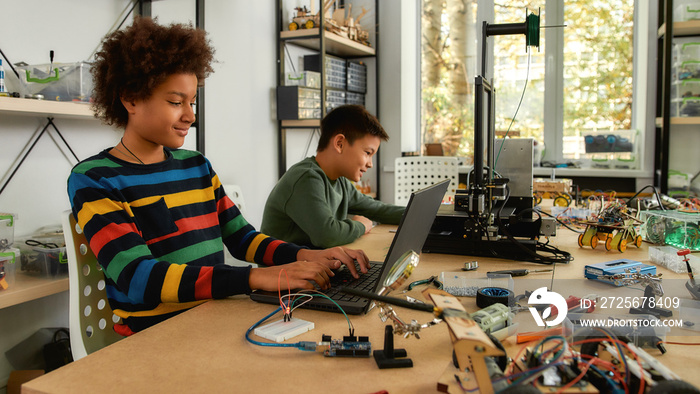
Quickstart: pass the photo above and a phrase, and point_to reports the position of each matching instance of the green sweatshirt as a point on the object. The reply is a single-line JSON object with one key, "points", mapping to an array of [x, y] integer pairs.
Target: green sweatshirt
{"points": [[307, 208]]}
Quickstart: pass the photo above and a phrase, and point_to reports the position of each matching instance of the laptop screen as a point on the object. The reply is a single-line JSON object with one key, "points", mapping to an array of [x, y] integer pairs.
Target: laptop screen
{"points": [[415, 224]]}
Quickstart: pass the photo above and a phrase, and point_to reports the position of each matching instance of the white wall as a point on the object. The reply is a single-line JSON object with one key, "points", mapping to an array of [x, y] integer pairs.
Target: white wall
{"points": [[37, 193]]}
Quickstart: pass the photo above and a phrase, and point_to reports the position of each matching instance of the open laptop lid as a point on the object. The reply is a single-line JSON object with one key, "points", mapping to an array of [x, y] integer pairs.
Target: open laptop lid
{"points": [[411, 235], [415, 225]]}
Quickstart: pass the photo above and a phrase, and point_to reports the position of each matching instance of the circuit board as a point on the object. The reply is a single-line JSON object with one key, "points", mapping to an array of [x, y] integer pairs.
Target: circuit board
{"points": [[349, 346]]}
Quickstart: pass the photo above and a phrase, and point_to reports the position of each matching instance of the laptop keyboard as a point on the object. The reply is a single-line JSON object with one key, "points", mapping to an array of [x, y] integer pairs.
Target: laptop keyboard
{"points": [[343, 278]]}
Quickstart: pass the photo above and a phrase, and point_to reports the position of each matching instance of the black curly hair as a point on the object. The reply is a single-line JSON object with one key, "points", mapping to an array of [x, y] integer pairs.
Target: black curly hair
{"points": [[134, 61]]}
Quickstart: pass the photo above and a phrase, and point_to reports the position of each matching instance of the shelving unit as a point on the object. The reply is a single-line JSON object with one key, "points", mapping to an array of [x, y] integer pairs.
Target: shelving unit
{"points": [[27, 288], [667, 30], [325, 43], [43, 108]]}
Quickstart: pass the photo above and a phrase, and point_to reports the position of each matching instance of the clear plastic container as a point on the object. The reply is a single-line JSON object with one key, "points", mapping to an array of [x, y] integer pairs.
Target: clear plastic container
{"points": [[7, 230], [47, 262], [686, 10], [679, 229], [688, 106], [466, 284], [9, 258], [685, 88], [611, 149], [686, 49], [642, 330], [689, 69], [57, 81]]}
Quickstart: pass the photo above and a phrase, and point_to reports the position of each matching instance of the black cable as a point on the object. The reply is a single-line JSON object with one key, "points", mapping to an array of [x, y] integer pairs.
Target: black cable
{"points": [[559, 256], [656, 193]]}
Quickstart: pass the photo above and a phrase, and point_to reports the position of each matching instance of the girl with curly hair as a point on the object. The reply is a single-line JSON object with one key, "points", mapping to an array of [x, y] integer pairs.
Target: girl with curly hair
{"points": [[156, 216]]}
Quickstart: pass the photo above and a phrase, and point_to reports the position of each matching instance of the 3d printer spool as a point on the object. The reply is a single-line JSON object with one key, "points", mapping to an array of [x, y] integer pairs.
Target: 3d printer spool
{"points": [[486, 296]]}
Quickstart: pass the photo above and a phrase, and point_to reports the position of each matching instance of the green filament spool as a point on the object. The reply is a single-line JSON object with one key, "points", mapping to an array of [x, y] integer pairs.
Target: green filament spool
{"points": [[532, 34]]}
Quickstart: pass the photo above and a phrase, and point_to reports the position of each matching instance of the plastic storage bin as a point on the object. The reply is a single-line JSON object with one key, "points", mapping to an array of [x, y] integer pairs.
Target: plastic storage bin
{"points": [[689, 69], [612, 149], [686, 49], [355, 98], [308, 79], [9, 258], [334, 99], [357, 77], [335, 69], [686, 10], [679, 229], [47, 262], [7, 230], [685, 88], [295, 102], [687, 106], [57, 82], [642, 330]]}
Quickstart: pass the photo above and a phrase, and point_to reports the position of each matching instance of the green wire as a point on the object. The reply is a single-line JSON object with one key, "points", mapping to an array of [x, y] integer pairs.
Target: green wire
{"points": [[350, 327]]}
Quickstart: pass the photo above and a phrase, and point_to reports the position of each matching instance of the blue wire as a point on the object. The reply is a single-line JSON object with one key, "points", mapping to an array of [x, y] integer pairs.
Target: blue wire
{"points": [[254, 342]]}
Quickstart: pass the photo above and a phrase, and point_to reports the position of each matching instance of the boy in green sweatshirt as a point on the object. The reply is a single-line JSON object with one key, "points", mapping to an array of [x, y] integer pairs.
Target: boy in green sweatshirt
{"points": [[315, 203]]}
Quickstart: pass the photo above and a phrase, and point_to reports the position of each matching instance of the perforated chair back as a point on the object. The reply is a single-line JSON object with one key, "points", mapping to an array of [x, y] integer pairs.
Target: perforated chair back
{"points": [[91, 319], [235, 193], [417, 172]]}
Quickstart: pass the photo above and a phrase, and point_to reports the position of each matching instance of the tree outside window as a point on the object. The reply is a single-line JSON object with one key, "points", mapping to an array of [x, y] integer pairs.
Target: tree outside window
{"points": [[596, 62]]}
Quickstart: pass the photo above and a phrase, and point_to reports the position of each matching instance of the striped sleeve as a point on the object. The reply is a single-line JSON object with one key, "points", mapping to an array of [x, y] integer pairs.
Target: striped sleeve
{"points": [[241, 238]]}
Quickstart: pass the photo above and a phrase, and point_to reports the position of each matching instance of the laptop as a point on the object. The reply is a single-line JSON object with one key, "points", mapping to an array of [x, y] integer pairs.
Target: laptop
{"points": [[410, 235]]}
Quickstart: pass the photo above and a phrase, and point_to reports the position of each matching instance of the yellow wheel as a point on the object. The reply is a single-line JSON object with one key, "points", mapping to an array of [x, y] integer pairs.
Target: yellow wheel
{"points": [[594, 242], [580, 240], [538, 199], [638, 241], [608, 243], [309, 24], [561, 201], [293, 26], [622, 246]]}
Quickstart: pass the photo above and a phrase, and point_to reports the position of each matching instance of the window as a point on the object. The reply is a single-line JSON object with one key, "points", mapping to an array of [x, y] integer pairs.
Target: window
{"points": [[587, 65]]}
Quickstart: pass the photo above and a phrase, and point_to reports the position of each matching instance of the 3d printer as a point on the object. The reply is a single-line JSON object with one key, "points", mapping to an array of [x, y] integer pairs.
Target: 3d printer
{"points": [[493, 217]]}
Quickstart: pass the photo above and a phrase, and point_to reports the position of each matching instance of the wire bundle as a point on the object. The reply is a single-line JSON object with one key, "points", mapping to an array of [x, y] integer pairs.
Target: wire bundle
{"points": [[288, 303]]}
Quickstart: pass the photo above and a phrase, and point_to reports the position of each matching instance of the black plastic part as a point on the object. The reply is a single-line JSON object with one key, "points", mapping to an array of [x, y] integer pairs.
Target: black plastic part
{"points": [[654, 311], [673, 387], [389, 357], [487, 296]]}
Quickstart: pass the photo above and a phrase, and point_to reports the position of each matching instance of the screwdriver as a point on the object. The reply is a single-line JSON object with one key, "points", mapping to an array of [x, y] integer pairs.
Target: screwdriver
{"points": [[521, 272]]}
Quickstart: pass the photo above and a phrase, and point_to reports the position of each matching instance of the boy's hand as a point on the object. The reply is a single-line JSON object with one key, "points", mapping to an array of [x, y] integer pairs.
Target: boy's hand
{"points": [[331, 256], [299, 274], [363, 220]]}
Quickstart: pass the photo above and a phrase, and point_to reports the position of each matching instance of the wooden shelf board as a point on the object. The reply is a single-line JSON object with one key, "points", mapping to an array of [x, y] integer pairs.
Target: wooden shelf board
{"points": [[27, 288], [689, 120], [335, 44], [44, 108], [302, 123], [687, 28]]}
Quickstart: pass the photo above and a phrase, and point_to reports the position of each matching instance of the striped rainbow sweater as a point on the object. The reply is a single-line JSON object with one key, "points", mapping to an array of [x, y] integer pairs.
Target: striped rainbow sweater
{"points": [[158, 230]]}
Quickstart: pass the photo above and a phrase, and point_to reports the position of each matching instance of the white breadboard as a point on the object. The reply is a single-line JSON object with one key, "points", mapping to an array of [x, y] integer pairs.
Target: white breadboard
{"points": [[282, 330]]}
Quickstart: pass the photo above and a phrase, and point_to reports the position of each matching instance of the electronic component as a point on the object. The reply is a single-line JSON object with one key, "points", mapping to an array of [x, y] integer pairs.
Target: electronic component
{"points": [[349, 346], [282, 330], [605, 271]]}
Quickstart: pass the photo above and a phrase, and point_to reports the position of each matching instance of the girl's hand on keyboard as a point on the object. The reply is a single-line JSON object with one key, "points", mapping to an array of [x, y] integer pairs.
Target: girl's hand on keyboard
{"points": [[300, 274], [346, 256]]}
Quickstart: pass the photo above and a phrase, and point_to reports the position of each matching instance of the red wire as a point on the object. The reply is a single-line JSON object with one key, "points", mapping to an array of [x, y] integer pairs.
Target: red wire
{"points": [[284, 307]]}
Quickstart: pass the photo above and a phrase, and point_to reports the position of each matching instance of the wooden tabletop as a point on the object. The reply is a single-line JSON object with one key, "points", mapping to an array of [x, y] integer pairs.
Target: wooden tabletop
{"points": [[204, 349]]}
